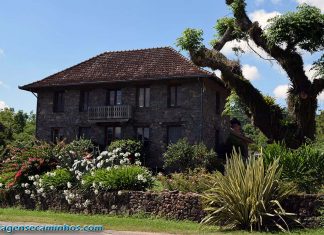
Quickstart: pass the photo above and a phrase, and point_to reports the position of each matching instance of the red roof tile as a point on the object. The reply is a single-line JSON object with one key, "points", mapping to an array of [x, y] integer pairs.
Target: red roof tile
{"points": [[132, 65]]}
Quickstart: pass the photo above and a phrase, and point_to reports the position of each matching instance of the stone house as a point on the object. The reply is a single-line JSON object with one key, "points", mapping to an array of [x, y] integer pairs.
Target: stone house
{"points": [[155, 95]]}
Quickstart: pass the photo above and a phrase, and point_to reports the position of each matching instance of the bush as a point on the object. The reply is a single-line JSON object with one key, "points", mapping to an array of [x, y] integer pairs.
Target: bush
{"points": [[247, 197], [183, 156], [196, 181], [57, 179], [128, 177], [128, 146], [303, 166]]}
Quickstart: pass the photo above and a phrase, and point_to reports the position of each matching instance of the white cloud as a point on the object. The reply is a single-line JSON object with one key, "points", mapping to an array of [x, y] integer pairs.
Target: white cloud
{"points": [[316, 3], [218, 73], [320, 98], [280, 92], [309, 72], [246, 47], [2, 105], [250, 72], [262, 16]]}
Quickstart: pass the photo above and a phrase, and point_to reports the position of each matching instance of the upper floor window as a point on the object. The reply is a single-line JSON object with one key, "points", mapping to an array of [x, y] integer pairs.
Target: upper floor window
{"points": [[144, 97], [114, 97], [84, 132], [84, 101], [113, 133], [173, 98], [174, 134], [58, 102], [56, 134], [217, 103], [143, 133]]}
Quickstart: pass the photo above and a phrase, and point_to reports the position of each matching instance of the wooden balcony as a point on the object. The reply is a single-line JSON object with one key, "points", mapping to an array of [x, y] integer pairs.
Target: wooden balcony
{"points": [[110, 113]]}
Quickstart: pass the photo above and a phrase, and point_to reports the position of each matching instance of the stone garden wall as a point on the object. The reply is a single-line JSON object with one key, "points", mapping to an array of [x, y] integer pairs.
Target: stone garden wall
{"points": [[175, 205]]}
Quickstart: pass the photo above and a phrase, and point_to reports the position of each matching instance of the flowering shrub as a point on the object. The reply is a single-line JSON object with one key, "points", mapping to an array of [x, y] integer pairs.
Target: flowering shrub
{"points": [[127, 177], [57, 179], [183, 156], [133, 147]]}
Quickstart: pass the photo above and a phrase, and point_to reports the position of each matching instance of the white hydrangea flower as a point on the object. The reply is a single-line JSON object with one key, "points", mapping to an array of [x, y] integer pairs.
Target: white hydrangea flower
{"points": [[36, 176], [108, 168], [96, 191], [43, 194], [120, 192], [94, 184], [58, 167], [26, 185], [17, 197], [104, 153], [137, 154], [82, 182], [69, 185], [32, 196], [23, 185], [27, 191], [138, 163], [35, 183], [1, 184], [92, 173], [99, 157], [52, 187]]}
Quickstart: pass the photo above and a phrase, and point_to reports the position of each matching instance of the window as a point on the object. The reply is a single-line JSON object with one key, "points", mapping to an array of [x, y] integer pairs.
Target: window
{"points": [[144, 97], [58, 103], [84, 132], [217, 103], [84, 101], [174, 134], [173, 100], [113, 133], [56, 134], [114, 97], [143, 134]]}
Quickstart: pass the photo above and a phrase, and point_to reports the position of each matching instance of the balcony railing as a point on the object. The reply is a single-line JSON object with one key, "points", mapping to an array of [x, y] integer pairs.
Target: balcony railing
{"points": [[110, 113]]}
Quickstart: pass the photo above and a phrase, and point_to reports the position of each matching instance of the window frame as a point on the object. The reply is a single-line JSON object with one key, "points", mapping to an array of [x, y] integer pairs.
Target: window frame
{"points": [[168, 133], [176, 96], [108, 141], [143, 128], [84, 100], [59, 136], [115, 95], [58, 102], [146, 95]]}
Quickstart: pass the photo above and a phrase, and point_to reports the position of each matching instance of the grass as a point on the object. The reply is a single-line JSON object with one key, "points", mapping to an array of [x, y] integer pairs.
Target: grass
{"points": [[133, 223]]}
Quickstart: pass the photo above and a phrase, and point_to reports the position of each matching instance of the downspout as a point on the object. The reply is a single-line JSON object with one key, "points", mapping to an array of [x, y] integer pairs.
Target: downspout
{"points": [[36, 95], [201, 109]]}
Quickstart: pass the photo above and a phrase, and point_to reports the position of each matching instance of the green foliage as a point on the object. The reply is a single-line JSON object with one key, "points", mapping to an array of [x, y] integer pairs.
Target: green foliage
{"points": [[197, 181], [247, 197], [303, 28], [303, 166], [133, 147], [191, 39], [182, 156], [128, 177], [56, 179], [319, 67]]}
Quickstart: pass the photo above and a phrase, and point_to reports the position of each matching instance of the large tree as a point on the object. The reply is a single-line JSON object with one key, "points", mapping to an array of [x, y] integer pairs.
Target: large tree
{"points": [[282, 40]]}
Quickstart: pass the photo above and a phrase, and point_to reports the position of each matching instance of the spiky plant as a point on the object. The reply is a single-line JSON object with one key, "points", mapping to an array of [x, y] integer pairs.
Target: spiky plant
{"points": [[248, 196]]}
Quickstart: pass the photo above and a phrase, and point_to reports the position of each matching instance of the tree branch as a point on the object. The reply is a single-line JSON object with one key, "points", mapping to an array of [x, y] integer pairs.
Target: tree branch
{"points": [[263, 114], [225, 38], [318, 86]]}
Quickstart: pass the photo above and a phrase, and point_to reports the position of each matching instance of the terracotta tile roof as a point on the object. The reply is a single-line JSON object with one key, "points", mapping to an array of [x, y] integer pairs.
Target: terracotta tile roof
{"points": [[132, 65]]}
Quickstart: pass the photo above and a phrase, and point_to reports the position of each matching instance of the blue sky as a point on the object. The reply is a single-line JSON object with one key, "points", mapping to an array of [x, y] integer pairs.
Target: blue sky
{"points": [[41, 37]]}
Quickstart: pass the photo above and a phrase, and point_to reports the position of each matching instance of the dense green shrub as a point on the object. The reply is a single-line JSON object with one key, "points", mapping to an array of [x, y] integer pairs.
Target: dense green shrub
{"points": [[57, 179], [182, 156], [303, 166], [134, 147], [197, 181], [127, 177], [248, 196]]}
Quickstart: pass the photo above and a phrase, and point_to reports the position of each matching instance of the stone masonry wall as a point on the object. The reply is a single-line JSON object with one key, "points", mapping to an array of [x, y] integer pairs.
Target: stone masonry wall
{"points": [[174, 205], [157, 117]]}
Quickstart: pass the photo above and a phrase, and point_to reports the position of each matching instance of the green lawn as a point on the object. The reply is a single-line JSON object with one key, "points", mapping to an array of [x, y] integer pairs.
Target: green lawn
{"points": [[139, 223]]}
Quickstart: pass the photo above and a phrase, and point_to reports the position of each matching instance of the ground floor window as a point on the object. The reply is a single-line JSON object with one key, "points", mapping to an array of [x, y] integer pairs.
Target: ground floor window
{"points": [[56, 134], [174, 134], [84, 132], [113, 133], [143, 134]]}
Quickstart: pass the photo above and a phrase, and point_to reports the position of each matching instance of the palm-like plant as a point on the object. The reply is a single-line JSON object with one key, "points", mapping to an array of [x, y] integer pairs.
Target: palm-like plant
{"points": [[248, 195]]}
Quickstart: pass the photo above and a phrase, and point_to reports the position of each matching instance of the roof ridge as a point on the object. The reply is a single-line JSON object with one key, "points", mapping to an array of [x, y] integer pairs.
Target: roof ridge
{"points": [[141, 49]]}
